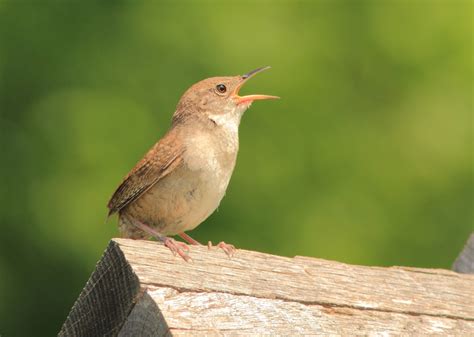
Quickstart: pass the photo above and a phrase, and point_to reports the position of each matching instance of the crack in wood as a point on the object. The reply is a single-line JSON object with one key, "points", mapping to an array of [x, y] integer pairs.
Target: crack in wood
{"points": [[328, 305]]}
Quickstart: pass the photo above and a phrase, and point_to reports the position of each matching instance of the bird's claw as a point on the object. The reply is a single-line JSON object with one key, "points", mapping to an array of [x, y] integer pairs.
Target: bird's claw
{"points": [[227, 248], [177, 247]]}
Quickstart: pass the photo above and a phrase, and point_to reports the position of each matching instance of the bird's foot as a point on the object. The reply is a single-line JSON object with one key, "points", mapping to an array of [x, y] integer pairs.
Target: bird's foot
{"points": [[177, 247], [227, 248]]}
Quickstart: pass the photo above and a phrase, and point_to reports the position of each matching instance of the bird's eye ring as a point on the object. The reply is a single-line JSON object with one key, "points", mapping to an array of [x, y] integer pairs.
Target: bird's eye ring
{"points": [[221, 88]]}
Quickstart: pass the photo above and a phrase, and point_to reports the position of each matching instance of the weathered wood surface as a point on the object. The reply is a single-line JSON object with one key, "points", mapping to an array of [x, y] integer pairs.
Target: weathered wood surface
{"points": [[140, 289]]}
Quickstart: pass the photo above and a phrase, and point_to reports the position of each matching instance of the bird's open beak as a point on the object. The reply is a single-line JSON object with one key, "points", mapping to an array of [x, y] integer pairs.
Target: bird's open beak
{"points": [[250, 98]]}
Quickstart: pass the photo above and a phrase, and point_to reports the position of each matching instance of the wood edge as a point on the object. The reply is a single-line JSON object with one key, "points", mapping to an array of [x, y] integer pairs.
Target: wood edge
{"points": [[297, 258], [107, 298]]}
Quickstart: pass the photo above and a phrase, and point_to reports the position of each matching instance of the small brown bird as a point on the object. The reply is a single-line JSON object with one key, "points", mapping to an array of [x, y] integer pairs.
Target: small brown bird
{"points": [[183, 177]]}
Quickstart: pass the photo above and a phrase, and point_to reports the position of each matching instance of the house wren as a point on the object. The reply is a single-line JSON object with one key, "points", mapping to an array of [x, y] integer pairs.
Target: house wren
{"points": [[184, 176]]}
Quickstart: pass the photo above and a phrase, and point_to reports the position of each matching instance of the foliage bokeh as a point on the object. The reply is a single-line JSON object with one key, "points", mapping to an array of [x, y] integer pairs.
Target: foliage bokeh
{"points": [[366, 159]]}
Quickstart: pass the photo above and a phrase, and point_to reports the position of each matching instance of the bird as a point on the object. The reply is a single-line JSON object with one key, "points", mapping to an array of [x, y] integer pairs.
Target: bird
{"points": [[182, 179]]}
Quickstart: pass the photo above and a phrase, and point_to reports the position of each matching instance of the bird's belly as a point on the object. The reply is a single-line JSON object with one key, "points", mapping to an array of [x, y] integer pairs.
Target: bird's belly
{"points": [[182, 200], [203, 198]]}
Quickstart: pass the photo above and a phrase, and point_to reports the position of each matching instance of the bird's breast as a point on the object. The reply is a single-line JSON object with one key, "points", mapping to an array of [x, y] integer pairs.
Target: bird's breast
{"points": [[200, 184], [212, 153]]}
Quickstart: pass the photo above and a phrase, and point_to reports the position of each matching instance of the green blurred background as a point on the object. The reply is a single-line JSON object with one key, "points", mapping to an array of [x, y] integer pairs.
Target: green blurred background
{"points": [[366, 159]]}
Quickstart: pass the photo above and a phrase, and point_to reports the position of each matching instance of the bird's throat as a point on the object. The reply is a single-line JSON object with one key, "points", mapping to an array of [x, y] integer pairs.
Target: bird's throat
{"points": [[229, 120]]}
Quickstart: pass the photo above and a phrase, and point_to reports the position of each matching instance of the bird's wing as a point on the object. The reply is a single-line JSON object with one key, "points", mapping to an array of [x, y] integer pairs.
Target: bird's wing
{"points": [[161, 160]]}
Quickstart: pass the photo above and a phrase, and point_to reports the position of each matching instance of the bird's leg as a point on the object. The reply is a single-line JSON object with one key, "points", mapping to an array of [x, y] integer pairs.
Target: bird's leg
{"points": [[189, 239], [176, 247], [227, 248]]}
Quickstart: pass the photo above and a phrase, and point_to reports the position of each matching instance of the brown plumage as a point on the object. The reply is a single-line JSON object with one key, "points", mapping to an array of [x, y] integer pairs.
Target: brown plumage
{"points": [[183, 178], [162, 159]]}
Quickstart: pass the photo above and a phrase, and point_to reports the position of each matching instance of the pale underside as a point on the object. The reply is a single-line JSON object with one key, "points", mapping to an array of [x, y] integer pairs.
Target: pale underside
{"points": [[192, 191]]}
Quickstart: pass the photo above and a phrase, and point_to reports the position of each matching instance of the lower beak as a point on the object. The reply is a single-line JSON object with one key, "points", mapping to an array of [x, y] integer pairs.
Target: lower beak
{"points": [[250, 98]]}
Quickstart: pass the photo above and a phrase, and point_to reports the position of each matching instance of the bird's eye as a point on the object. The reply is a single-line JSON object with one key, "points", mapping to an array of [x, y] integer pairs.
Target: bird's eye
{"points": [[221, 88]]}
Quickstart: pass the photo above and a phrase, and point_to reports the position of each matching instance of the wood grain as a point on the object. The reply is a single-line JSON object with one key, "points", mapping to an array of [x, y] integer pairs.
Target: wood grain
{"points": [[190, 314], [256, 293]]}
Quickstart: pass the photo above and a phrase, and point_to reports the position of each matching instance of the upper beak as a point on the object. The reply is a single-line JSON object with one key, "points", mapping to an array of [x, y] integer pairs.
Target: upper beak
{"points": [[250, 98]]}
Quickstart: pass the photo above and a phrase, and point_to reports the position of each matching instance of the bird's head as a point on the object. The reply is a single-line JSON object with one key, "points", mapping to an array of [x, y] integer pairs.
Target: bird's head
{"points": [[218, 99]]}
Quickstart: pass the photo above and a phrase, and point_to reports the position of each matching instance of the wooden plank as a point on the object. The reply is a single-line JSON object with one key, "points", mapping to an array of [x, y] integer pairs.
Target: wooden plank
{"points": [[217, 314], [440, 293], [140, 289]]}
